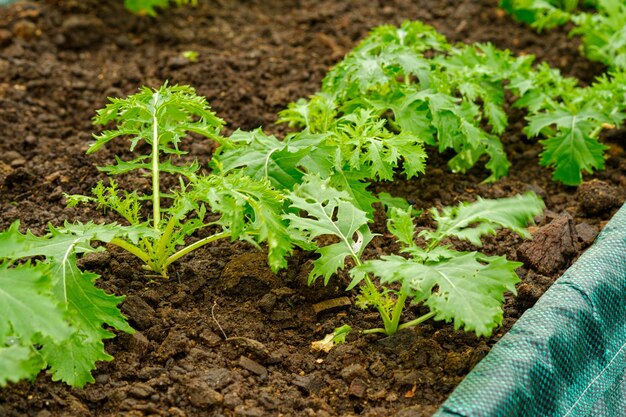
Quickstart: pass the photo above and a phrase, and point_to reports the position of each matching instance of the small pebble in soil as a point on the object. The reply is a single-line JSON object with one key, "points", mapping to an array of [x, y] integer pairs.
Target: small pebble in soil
{"points": [[353, 371], [357, 388], [253, 366], [5, 37], [310, 383], [82, 31], [201, 395], [217, 378], [140, 313], [377, 368]]}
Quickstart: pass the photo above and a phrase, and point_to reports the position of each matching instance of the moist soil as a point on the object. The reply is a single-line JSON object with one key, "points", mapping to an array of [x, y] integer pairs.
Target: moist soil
{"points": [[224, 336]]}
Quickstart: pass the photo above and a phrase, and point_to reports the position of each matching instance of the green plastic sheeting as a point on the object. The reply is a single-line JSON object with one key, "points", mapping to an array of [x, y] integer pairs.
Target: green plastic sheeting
{"points": [[566, 356]]}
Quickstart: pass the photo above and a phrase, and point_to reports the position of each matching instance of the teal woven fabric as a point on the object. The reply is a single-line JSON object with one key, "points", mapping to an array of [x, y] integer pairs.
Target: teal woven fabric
{"points": [[566, 356]]}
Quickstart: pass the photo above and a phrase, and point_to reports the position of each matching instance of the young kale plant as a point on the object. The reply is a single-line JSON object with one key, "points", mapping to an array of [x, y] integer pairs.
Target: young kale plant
{"points": [[162, 118], [452, 97], [54, 313], [464, 287], [601, 25], [543, 14], [350, 152], [147, 7]]}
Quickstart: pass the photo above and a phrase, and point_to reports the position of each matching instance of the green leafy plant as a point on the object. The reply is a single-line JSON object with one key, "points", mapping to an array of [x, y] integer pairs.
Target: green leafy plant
{"points": [[600, 24], [54, 313], [604, 33], [464, 287], [161, 119], [349, 152], [147, 7], [414, 83], [542, 14]]}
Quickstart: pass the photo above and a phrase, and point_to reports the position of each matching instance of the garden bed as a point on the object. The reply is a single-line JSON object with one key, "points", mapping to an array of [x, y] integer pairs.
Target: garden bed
{"points": [[224, 335]]}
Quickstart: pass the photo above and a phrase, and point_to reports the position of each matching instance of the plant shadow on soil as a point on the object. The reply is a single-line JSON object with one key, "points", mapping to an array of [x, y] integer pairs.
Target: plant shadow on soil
{"points": [[225, 336]]}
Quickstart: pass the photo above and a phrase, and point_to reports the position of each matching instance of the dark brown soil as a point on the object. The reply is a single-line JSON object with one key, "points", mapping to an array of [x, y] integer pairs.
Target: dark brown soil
{"points": [[60, 59]]}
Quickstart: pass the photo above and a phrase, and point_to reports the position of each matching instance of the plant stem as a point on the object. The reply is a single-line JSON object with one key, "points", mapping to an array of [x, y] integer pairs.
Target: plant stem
{"points": [[396, 314], [194, 246], [132, 249], [406, 325], [156, 203], [164, 239], [416, 321]]}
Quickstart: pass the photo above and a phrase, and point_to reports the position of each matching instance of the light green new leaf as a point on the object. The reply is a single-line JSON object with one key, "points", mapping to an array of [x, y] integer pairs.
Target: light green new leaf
{"points": [[28, 307], [59, 243], [400, 224], [18, 362], [170, 111], [143, 163], [470, 221], [366, 145], [250, 209], [572, 150], [73, 360], [89, 307], [330, 212], [466, 288], [80, 305]]}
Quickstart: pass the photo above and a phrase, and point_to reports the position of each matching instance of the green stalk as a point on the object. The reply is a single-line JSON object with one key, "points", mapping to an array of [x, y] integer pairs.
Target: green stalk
{"points": [[416, 321], [132, 249], [193, 247], [164, 239], [406, 325], [395, 315], [156, 203]]}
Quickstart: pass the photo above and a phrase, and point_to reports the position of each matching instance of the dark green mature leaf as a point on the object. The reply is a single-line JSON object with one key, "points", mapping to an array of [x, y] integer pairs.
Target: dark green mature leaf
{"points": [[329, 212], [265, 157]]}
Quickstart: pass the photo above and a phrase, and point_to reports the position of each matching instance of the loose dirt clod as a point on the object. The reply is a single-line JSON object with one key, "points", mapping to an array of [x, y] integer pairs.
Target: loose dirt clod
{"points": [[552, 246], [597, 197]]}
